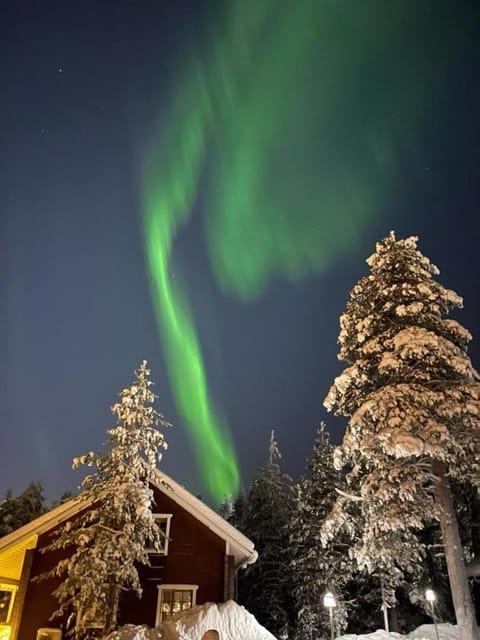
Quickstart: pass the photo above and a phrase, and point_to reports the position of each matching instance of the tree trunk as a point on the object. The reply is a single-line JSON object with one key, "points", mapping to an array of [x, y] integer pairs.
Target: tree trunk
{"points": [[384, 608], [461, 596], [475, 515], [111, 613], [394, 626]]}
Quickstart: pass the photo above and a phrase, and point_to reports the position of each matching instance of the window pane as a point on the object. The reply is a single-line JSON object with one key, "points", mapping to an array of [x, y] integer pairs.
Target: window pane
{"points": [[161, 524], [175, 600], [5, 599]]}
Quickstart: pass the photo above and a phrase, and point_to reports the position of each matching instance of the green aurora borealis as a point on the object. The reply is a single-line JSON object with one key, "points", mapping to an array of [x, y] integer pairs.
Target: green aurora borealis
{"points": [[291, 119]]}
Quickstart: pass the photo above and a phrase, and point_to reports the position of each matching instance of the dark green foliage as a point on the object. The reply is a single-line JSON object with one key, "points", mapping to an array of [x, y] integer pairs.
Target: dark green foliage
{"points": [[265, 587], [16, 512], [317, 569], [226, 507], [238, 509]]}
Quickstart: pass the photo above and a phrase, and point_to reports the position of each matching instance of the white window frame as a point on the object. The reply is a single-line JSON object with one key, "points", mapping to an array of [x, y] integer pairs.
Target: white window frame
{"points": [[167, 517], [173, 587]]}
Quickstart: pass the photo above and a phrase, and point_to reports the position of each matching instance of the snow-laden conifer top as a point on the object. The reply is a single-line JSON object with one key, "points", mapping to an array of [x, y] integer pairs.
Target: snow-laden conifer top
{"points": [[411, 389]]}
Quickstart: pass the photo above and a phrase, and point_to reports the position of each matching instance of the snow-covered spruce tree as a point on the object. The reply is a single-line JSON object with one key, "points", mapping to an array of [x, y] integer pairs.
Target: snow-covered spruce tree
{"points": [[385, 578], [15, 512], [236, 515], [111, 534], [412, 398], [226, 507], [317, 569], [7, 513], [264, 588]]}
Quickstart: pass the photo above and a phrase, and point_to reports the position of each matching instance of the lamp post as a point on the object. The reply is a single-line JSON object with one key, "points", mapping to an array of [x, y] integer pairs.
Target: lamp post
{"points": [[329, 603], [430, 597]]}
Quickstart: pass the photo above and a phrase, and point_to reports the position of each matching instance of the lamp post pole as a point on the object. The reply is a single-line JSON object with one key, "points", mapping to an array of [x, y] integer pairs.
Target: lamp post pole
{"points": [[430, 597], [329, 602], [384, 609]]}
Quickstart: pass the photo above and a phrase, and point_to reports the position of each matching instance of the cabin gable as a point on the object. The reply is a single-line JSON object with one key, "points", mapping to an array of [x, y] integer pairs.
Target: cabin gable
{"points": [[199, 565]]}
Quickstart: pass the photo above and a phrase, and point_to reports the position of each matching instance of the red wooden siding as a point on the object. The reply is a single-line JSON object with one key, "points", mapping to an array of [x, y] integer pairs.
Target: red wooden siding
{"points": [[195, 556]]}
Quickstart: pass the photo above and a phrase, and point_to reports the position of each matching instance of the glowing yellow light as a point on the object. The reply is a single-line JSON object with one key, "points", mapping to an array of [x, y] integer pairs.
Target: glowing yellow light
{"points": [[5, 631]]}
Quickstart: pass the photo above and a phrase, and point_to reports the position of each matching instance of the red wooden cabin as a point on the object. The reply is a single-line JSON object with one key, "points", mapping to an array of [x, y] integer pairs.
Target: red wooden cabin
{"points": [[201, 556]]}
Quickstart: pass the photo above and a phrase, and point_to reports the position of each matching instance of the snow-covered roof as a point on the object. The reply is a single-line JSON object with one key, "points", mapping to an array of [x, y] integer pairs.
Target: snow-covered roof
{"points": [[14, 545], [43, 523], [237, 544]]}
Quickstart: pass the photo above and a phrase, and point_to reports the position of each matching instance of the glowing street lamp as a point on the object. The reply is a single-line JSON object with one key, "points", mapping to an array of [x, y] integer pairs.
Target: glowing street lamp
{"points": [[330, 603], [430, 597]]}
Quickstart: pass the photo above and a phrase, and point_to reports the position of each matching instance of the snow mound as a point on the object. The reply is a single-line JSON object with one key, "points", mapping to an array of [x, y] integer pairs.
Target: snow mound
{"points": [[230, 620], [377, 635], [133, 632], [425, 632]]}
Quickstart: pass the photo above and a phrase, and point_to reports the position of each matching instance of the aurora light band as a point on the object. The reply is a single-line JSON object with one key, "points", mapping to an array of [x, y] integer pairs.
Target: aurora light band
{"points": [[300, 110], [168, 203]]}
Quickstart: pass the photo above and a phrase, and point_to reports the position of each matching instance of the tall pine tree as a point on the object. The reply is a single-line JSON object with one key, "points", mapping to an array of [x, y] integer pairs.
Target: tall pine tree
{"points": [[265, 587], [412, 398], [317, 569], [112, 533]]}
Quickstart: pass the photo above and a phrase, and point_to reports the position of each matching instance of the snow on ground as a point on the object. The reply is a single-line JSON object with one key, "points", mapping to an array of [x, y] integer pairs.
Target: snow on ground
{"points": [[234, 622], [425, 632]]}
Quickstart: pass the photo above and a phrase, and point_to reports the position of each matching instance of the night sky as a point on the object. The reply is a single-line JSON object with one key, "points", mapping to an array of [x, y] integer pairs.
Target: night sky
{"points": [[317, 129]]}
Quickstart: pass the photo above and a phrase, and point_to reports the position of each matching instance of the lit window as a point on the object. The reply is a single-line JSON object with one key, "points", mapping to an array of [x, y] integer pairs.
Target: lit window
{"points": [[174, 598], [162, 520], [5, 632], [7, 596]]}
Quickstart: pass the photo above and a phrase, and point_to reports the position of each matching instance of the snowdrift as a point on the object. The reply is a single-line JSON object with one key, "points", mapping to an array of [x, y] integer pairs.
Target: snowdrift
{"points": [[425, 632], [230, 620]]}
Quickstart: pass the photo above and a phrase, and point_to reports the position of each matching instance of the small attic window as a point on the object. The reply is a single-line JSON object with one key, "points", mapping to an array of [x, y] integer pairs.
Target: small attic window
{"points": [[162, 520]]}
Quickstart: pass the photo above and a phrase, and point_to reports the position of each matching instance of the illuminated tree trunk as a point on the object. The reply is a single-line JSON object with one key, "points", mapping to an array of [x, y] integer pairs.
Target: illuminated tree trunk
{"points": [[111, 613], [461, 596]]}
